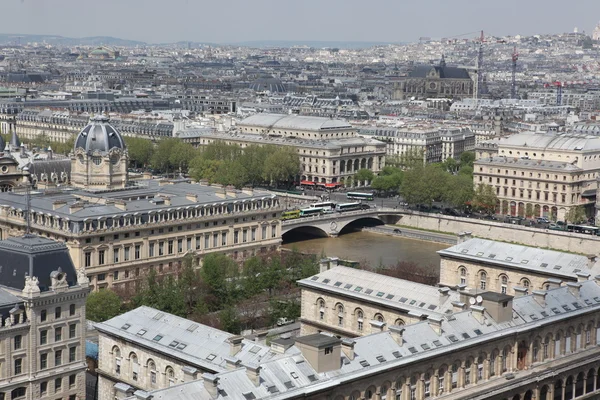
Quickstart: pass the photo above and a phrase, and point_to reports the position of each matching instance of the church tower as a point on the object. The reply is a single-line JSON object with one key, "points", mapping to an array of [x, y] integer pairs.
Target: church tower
{"points": [[596, 33], [99, 159]]}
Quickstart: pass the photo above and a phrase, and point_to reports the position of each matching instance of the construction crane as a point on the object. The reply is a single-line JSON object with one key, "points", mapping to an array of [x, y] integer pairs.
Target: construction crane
{"points": [[479, 82], [513, 88], [559, 90]]}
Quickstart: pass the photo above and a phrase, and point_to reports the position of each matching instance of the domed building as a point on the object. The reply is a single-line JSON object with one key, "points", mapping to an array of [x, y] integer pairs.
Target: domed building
{"points": [[268, 82], [99, 159]]}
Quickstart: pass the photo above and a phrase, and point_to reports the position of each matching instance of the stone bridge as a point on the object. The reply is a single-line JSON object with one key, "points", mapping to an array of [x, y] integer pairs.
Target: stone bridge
{"points": [[332, 224]]}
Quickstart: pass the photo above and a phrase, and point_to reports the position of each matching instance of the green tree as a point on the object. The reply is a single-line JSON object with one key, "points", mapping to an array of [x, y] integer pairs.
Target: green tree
{"points": [[140, 151], [411, 159], [459, 190], [364, 176], [253, 160], [230, 320], [485, 199], [529, 210], [181, 155], [450, 165], [161, 159], [281, 165], [575, 215], [467, 158], [102, 305], [424, 185]]}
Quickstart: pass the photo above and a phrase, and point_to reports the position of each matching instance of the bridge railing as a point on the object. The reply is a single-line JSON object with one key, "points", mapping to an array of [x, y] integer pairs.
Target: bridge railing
{"points": [[335, 215]]}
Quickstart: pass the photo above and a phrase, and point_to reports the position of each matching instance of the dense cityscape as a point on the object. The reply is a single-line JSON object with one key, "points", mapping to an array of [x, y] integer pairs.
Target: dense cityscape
{"points": [[402, 220]]}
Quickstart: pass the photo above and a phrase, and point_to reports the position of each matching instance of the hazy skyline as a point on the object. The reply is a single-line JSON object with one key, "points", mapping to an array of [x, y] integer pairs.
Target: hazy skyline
{"points": [[160, 21]]}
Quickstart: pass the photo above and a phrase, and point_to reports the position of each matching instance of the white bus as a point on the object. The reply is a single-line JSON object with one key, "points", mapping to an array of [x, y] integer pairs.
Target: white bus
{"points": [[325, 205], [360, 196], [348, 207]]}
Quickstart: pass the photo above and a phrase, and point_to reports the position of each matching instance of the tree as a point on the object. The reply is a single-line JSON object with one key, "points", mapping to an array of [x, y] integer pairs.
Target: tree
{"points": [[161, 157], [424, 185], [459, 190], [467, 158], [230, 320], [102, 305], [575, 215], [485, 199], [450, 165], [364, 175], [411, 159], [253, 160], [181, 155], [140, 151], [281, 165]]}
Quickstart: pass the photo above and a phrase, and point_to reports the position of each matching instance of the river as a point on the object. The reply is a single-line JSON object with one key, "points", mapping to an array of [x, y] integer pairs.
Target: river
{"points": [[371, 248]]}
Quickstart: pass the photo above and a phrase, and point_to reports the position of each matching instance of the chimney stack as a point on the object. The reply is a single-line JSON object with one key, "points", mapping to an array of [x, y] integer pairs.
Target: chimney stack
{"points": [[540, 297], [444, 294], [210, 384], [574, 288], [253, 373], [554, 283], [232, 362], [464, 236], [458, 306], [591, 262], [583, 276], [235, 345], [435, 323], [397, 333], [348, 348], [261, 337], [478, 312], [189, 374], [520, 291], [377, 326]]}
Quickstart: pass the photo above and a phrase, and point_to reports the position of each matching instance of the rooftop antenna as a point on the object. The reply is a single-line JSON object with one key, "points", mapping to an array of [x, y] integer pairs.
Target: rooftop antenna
{"points": [[28, 200]]}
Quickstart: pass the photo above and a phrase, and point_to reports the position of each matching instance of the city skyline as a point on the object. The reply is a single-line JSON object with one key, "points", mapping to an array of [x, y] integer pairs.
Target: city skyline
{"points": [[151, 21]]}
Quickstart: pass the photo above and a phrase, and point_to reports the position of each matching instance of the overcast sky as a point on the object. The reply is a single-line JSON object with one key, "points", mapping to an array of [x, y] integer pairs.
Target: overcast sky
{"points": [[226, 21]]}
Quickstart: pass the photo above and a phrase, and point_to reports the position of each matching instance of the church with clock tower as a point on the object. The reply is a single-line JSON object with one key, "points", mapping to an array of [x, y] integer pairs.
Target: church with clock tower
{"points": [[99, 159]]}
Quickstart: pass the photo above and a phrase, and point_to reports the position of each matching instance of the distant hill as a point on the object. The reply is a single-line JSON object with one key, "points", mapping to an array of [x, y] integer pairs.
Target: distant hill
{"points": [[11, 38], [311, 43]]}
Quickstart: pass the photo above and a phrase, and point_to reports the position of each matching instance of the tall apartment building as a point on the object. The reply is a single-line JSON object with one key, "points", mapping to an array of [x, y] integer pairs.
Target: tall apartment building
{"points": [[42, 321], [330, 151], [434, 143], [117, 229], [542, 174]]}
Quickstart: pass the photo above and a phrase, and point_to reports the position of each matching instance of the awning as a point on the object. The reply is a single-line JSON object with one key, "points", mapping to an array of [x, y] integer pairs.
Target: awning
{"points": [[309, 183], [589, 193], [331, 185]]}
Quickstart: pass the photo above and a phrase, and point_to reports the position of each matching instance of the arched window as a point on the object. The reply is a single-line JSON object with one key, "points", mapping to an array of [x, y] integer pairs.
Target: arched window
{"points": [[525, 283], [379, 318], [135, 367], [359, 319], [340, 311], [462, 272], [503, 283], [399, 322], [321, 310], [483, 280], [170, 373], [117, 357], [152, 371]]}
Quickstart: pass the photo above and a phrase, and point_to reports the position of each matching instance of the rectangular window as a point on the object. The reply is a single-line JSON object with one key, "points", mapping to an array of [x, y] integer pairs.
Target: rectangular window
{"points": [[43, 388], [215, 239], [44, 361], [116, 276], [72, 310], [126, 253], [57, 358], [101, 277], [137, 251], [273, 231], [88, 259], [189, 244], [57, 334], [17, 342], [197, 242], [57, 385], [115, 255], [253, 234], [72, 331], [151, 250], [170, 247], [43, 337], [72, 354], [180, 245], [57, 312], [43, 316], [236, 237], [206, 241], [245, 235], [18, 366], [100, 257], [72, 380], [264, 232]]}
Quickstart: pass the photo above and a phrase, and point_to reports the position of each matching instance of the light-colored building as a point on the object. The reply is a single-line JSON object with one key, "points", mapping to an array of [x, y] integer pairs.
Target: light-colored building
{"points": [[542, 174], [42, 321], [330, 150], [348, 302], [541, 346], [480, 265], [117, 229]]}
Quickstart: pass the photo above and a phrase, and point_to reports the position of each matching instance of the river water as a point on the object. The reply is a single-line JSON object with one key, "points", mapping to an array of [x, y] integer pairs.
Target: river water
{"points": [[371, 248]]}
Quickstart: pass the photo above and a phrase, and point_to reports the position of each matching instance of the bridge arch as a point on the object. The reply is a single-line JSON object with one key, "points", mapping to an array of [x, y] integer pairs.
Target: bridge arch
{"points": [[359, 223], [303, 232]]}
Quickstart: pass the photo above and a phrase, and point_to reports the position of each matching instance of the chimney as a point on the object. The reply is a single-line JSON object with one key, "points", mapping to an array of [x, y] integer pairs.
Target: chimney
{"points": [[210, 384], [142, 395], [520, 291], [397, 332], [232, 363], [221, 193], [553, 283], [458, 306], [464, 236], [323, 265], [58, 204], [189, 374], [261, 337], [540, 297], [583, 276], [235, 345], [591, 262], [348, 348], [77, 206], [191, 197], [597, 279], [333, 262], [377, 326], [444, 294], [253, 373], [478, 312], [435, 323], [574, 288]]}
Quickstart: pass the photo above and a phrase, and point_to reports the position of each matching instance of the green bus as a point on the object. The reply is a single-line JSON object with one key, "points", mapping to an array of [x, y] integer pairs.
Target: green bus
{"points": [[290, 215]]}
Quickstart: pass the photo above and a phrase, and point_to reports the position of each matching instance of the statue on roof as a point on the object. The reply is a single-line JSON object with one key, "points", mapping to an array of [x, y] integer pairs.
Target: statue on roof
{"points": [[31, 286], [443, 62]]}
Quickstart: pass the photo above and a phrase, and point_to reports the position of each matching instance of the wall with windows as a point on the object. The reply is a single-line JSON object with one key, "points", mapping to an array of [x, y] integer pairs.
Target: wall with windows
{"points": [[323, 312]]}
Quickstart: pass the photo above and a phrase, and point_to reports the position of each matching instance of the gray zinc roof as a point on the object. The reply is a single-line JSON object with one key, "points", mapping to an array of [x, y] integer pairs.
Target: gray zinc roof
{"points": [[300, 122]]}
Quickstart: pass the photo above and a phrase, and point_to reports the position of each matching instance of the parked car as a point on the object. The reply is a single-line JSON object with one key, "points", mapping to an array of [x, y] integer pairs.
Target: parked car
{"points": [[284, 321], [542, 220]]}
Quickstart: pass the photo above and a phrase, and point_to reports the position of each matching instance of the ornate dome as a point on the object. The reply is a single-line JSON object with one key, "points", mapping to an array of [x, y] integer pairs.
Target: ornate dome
{"points": [[268, 82], [100, 136]]}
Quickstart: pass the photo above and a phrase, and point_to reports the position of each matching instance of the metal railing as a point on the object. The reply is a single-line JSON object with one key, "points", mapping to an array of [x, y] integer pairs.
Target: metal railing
{"points": [[336, 215]]}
